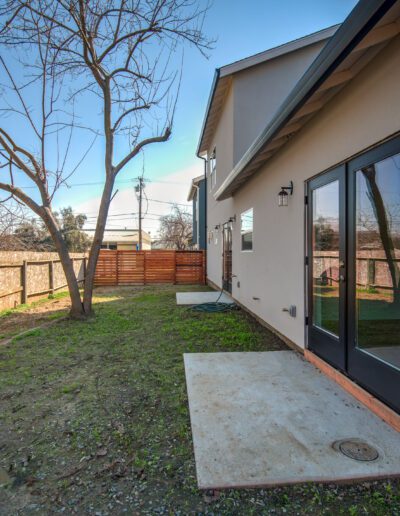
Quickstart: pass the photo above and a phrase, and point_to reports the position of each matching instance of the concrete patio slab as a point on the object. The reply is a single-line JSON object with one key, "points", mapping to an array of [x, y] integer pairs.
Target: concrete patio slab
{"points": [[196, 298], [271, 418]]}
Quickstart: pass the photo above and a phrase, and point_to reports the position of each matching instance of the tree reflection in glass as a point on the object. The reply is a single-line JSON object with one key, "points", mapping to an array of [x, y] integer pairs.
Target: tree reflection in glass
{"points": [[378, 259]]}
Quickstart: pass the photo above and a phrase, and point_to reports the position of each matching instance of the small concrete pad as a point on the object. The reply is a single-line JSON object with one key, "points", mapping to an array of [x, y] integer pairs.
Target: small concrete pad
{"points": [[271, 418], [196, 298]]}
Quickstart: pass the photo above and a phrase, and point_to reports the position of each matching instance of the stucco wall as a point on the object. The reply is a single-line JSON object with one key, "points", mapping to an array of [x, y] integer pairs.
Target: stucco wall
{"points": [[218, 213], [259, 91], [364, 113], [254, 97]]}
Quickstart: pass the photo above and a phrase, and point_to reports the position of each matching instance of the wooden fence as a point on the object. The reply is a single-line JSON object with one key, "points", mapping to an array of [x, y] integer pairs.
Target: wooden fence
{"points": [[29, 280], [149, 267]]}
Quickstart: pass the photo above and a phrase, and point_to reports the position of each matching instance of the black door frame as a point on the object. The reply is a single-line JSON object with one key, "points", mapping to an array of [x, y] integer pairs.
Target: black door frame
{"points": [[227, 235], [372, 373], [328, 346], [375, 375]]}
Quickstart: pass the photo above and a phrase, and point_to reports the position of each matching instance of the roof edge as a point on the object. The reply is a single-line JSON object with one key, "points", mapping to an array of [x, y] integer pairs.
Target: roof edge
{"points": [[283, 49], [259, 58], [359, 22]]}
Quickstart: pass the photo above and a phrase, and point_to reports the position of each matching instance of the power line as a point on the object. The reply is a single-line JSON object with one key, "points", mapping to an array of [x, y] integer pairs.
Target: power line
{"points": [[121, 181]]}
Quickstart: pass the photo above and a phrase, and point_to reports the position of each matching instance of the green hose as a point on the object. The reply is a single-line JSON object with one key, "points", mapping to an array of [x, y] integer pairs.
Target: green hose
{"points": [[214, 306]]}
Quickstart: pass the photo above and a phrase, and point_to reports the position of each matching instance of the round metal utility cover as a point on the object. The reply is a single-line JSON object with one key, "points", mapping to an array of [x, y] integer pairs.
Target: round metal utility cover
{"points": [[357, 450]]}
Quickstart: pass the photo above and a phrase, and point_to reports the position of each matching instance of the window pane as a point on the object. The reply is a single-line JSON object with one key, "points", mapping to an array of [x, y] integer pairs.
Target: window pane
{"points": [[246, 230], [325, 259], [378, 259]]}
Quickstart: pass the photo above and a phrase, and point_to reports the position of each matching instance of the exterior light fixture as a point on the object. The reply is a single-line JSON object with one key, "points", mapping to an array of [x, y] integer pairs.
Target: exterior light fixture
{"points": [[232, 219], [217, 227], [284, 194]]}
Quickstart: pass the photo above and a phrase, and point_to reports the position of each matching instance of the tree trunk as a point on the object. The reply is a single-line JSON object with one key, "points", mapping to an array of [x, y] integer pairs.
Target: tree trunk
{"points": [[378, 206], [96, 244], [77, 309]]}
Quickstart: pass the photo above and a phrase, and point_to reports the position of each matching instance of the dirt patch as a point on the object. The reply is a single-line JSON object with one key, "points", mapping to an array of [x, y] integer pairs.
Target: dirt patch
{"points": [[13, 322]]}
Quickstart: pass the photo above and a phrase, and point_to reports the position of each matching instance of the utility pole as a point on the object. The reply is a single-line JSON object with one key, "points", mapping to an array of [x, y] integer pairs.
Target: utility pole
{"points": [[139, 192]]}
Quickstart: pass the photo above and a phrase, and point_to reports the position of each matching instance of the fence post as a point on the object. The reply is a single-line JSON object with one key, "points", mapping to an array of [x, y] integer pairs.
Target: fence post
{"points": [[84, 269], [24, 282], [204, 267], [370, 273], [175, 267], [144, 267], [51, 277], [117, 267]]}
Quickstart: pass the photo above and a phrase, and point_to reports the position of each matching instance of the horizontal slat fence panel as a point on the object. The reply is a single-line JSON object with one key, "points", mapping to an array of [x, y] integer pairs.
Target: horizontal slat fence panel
{"points": [[106, 270], [150, 267]]}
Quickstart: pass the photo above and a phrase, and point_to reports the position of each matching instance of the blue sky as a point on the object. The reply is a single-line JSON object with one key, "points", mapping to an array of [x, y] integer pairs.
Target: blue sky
{"points": [[242, 28]]}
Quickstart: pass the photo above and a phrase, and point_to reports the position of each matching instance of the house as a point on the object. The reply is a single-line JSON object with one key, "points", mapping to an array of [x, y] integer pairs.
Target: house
{"points": [[125, 240], [198, 196], [302, 144]]}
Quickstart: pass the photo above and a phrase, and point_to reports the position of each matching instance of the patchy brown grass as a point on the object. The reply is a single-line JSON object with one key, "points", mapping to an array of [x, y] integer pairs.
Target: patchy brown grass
{"points": [[94, 416]]}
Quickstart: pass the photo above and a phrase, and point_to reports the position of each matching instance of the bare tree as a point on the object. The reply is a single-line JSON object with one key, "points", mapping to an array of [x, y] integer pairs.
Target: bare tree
{"points": [[121, 52], [176, 230], [12, 215], [386, 237]]}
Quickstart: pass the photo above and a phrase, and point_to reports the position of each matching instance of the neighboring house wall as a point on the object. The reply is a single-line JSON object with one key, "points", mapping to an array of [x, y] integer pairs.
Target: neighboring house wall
{"points": [[259, 91], [365, 112], [195, 215], [202, 215]]}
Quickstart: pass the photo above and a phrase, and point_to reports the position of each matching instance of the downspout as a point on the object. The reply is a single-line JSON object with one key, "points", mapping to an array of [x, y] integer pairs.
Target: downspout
{"points": [[205, 198]]}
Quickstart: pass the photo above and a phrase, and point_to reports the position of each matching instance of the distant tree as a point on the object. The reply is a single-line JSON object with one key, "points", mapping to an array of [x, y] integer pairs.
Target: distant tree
{"points": [[325, 237], [72, 230], [32, 235], [115, 58], [176, 230], [11, 216], [388, 242]]}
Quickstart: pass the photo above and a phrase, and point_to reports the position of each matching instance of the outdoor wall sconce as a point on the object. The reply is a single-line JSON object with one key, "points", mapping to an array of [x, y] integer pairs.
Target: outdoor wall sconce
{"points": [[217, 227], [232, 219], [284, 194]]}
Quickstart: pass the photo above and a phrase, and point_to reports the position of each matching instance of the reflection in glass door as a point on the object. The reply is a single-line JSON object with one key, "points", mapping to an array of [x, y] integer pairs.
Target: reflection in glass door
{"points": [[325, 256], [327, 266], [354, 269], [374, 254], [227, 257], [378, 259]]}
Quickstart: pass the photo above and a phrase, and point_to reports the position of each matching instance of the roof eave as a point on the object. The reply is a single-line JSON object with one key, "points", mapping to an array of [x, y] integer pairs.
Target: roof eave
{"points": [[363, 17], [207, 114]]}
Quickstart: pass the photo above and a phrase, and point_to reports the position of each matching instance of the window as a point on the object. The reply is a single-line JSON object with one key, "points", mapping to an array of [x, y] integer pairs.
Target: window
{"points": [[246, 230], [212, 162]]}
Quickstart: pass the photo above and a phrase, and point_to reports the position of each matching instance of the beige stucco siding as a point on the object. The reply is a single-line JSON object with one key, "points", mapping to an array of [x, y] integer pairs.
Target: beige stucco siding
{"points": [[259, 91], [364, 113], [218, 213]]}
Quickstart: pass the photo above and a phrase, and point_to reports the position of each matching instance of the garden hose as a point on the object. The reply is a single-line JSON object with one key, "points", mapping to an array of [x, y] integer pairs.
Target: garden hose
{"points": [[214, 306]]}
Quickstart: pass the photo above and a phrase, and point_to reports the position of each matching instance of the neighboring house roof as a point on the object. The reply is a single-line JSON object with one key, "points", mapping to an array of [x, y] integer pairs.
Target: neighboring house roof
{"points": [[124, 236], [368, 28], [223, 76], [193, 187]]}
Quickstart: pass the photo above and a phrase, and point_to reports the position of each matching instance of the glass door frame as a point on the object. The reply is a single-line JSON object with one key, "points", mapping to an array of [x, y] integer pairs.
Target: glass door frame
{"points": [[329, 347], [227, 235], [374, 374]]}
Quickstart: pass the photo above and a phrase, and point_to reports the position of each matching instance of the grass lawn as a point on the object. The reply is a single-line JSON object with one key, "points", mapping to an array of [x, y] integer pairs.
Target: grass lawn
{"points": [[94, 417]]}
